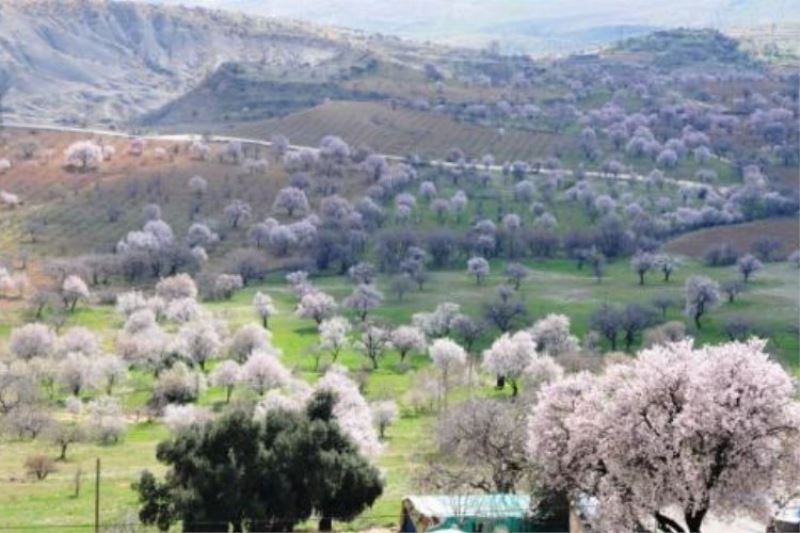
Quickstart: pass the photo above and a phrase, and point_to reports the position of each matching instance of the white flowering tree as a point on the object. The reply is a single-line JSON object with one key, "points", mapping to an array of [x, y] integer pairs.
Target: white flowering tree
{"points": [[106, 419], [479, 268], [439, 322], [672, 436], [701, 295], [177, 287], [384, 414], [83, 155], [748, 265], [552, 335], [263, 371], [509, 356], [351, 410], [129, 302], [642, 263], [76, 373], [227, 375], [363, 299], [264, 307], [407, 339], [200, 340], [78, 340], [111, 370], [333, 336], [291, 200], [316, 305], [179, 417], [448, 357], [73, 290], [248, 339], [373, 343], [32, 340]]}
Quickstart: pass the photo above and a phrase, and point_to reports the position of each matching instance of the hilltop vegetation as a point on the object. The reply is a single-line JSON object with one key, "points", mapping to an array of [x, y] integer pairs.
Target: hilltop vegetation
{"points": [[680, 48]]}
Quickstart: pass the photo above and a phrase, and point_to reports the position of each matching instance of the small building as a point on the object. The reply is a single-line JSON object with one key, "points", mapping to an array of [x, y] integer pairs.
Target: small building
{"points": [[472, 513]]}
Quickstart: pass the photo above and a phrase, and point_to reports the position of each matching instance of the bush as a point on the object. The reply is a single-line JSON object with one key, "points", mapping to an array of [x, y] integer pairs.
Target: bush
{"points": [[721, 255], [40, 466]]}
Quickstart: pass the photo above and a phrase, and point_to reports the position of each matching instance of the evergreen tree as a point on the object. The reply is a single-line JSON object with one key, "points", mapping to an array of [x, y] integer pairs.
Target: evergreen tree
{"points": [[261, 475]]}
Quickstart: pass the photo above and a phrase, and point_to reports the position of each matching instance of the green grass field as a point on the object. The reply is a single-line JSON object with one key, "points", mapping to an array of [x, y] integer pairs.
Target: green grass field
{"points": [[553, 286]]}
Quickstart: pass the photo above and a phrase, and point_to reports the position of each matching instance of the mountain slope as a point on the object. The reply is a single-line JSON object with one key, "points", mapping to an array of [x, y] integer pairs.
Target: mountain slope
{"points": [[95, 61], [532, 26]]}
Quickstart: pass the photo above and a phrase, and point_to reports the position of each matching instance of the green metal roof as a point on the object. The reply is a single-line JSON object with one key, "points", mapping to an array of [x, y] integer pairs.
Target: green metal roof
{"points": [[474, 505]]}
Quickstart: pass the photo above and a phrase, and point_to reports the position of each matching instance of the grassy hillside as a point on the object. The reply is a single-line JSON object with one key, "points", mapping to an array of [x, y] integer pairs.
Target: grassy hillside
{"points": [[554, 286]]}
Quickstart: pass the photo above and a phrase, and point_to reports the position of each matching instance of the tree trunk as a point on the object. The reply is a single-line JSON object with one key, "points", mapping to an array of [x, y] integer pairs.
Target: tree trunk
{"points": [[325, 524], [63, 456], [641, 278], [694, 521], [628, 342], [665, 523], [501, 382]]}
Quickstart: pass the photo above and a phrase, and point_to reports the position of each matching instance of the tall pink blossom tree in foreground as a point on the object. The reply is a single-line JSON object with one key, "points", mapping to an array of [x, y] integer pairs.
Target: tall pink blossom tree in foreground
{"points": [[671, 437]]}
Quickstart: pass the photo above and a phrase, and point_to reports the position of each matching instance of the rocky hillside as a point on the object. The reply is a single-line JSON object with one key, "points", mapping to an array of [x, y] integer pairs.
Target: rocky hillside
{"points": [[103, 62]]}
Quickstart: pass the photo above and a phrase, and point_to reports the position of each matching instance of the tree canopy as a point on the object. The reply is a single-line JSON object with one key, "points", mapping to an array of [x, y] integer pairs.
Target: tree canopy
{"points": [[260, 473]]}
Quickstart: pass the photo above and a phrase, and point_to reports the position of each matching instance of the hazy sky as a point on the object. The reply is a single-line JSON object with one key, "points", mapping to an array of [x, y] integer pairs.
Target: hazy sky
{"points": [[518, 22]]}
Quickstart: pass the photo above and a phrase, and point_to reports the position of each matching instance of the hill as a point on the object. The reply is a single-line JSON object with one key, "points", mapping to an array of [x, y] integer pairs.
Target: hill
{"points": [[538, 28], [98, 61], [397, 131], [238, 92], [688, 47]]}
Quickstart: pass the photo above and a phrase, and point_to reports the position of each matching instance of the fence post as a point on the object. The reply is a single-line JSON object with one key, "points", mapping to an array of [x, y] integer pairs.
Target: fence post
{"points": [[97, 497]]}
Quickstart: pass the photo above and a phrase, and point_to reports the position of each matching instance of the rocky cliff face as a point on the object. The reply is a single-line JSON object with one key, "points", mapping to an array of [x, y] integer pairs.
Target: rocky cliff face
{"points": [[102, 62]]}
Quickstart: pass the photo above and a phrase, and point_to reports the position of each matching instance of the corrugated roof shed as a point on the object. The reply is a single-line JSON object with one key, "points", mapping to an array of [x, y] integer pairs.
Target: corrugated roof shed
{"points": [[469, 512]]}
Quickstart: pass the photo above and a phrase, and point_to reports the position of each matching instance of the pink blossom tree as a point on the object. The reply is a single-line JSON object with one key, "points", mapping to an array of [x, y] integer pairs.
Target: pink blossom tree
{"points": [[697, 431], [263, 371], [316, 305], [448, 357], [509, 356]]}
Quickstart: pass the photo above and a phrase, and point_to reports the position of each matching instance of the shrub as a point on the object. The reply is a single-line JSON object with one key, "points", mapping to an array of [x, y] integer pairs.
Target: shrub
{"points": [[40, 466], [721, 255]]}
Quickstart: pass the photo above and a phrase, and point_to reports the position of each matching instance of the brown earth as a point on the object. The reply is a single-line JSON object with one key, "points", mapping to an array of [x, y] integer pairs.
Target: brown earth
{"points": [[740, 236]]}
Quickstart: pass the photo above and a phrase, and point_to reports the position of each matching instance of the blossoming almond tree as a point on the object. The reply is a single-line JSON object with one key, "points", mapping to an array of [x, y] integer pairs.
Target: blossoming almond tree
{"points": [[509, 356], [697, 431]]}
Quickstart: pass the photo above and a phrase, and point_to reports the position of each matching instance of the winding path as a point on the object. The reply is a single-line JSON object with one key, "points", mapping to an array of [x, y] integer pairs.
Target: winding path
{"points": [[190, 137]]}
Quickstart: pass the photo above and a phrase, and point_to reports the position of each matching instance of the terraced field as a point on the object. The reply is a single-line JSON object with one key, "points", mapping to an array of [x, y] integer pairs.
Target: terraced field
{"points": [[402, 131], [740, 236]]}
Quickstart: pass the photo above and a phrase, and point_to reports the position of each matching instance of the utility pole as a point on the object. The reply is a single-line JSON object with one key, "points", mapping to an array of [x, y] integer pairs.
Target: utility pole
{"points": [[97, 497]]}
